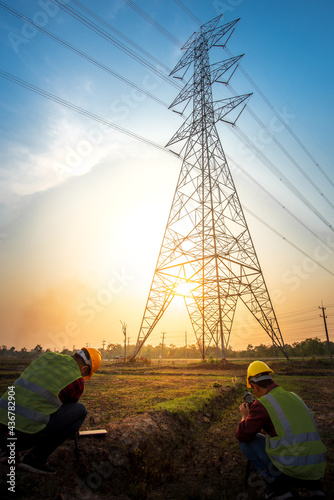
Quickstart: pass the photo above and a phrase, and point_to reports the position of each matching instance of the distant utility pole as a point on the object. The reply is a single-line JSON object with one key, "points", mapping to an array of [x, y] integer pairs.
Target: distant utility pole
{"points": [[326, 330], [124, 332], [162, 344], [185, 333]]}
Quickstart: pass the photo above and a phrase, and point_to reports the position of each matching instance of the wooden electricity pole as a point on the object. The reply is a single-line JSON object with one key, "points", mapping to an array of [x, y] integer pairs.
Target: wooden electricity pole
{"points": [[186, 343], [326, 330], [124, 332], [162, 345]]}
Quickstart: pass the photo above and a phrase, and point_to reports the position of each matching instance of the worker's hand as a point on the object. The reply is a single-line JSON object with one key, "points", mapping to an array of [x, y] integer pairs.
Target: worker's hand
{"points": [[244, 410]]}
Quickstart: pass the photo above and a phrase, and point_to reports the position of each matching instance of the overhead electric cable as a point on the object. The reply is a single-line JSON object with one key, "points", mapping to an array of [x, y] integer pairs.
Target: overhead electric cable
{"points": [[121, 35], [281, 119], [300, 311], [125, 80], [288, 241], [266, 100], [82, 54], [153, 22], [188, 11], [99, 31], [287, 154], [261, 155], [82, 111], [292, 322], [260, 186], [102, 66], [106, 122], [280, 175]]}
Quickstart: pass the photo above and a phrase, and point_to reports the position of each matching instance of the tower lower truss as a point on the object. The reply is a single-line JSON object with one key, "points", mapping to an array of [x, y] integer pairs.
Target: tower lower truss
{"points": [[207, 254]]}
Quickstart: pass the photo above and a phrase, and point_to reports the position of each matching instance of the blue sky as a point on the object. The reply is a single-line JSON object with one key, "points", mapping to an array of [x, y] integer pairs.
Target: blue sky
{"points": [[83, 207]]}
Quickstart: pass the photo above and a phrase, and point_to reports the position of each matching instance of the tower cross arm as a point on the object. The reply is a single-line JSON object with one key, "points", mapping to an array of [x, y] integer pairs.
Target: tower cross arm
{"points": [[228, 105], [219, 69], [204, 36], [205, 28]]}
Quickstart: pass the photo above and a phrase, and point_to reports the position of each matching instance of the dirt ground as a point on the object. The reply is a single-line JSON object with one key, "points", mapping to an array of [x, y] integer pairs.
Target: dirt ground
{"points": [[157, 455]]}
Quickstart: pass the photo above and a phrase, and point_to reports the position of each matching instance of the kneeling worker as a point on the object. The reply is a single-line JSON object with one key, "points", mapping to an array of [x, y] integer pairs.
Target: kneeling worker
{"points": [[291, 455], [47, 411]]}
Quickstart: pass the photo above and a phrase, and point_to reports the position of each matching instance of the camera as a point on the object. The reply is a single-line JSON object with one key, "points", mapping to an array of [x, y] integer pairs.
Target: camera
{"points": [[248, 398]]}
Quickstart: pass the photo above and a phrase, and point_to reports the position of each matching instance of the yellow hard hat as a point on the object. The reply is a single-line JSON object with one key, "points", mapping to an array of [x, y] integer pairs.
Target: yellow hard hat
{"points": [[257, 368], [95, 359]]}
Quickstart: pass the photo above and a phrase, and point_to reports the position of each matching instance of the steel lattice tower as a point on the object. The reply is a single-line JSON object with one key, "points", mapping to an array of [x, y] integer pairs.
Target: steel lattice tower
{"points": [[207, 244]]}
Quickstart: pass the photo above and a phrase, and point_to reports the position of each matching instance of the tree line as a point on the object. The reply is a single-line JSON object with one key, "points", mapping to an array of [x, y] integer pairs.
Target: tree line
{"points": [[307, 347]]}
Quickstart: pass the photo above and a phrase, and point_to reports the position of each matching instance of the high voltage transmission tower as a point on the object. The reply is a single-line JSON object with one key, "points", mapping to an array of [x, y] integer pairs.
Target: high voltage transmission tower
{"points": [[207, 254]]}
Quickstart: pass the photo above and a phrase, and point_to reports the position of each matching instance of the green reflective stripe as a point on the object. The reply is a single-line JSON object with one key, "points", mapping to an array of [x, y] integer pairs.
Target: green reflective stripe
{"points": [[296, 439], [297, 449], [303, 459], [41, 391], [281, 415], [289, 437], [32, 414], [26, 412]]}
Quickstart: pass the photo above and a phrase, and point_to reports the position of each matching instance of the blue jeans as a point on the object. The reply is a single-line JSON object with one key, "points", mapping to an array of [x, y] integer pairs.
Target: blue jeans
{"points": [[64, 423], [255, 451]]}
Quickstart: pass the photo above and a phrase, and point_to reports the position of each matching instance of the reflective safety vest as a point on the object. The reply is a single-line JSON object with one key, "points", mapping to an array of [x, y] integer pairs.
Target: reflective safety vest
{"points": [[36, 392], [297, 450]]}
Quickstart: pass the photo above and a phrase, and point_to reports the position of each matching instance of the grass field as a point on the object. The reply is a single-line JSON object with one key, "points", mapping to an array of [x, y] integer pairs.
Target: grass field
{"points": [[170, 432]]}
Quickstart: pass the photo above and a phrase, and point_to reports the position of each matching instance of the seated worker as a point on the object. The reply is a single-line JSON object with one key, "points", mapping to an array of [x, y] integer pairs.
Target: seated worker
{"points": [[291, 454], [47, 411]]}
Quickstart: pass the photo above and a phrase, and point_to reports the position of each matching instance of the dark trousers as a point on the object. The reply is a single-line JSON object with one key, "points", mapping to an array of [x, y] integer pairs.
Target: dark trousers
{"points": [[255, 451], [64, 423]]}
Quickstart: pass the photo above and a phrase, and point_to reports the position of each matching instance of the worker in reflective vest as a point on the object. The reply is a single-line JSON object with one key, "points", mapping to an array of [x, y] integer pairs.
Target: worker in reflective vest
{"points": [[278, 435], [41, 409]]}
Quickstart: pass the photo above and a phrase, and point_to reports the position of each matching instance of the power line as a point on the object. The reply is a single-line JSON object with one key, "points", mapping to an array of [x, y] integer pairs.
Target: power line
{"points": [[284, 123], [152, 21], [265, 99], [268, 193], [288, 155], [104, 67], [120, 34], [280, 175], [88, 114], [291, 322], [301, 311], [188, 11], [288, 241], [263, 158], [147, 17], [81, 53], [82, 111], [99, 31]]}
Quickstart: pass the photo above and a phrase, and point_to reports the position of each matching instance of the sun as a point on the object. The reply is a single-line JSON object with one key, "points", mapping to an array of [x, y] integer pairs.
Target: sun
{"points": [[183, 289]]}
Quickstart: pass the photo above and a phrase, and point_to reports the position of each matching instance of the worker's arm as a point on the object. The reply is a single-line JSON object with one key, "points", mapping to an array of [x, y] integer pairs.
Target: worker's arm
{"points": [[253, 420], [72, 392]]}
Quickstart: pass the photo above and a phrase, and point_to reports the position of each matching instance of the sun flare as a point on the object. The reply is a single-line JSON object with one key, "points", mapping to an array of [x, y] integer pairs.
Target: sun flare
{"points": [[183, 289]]}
